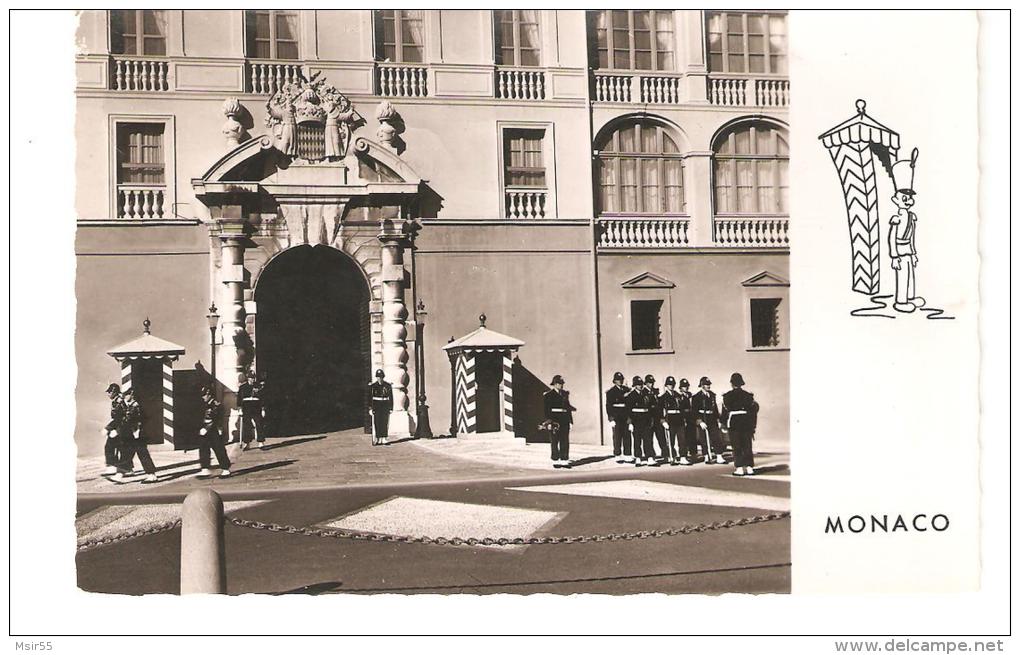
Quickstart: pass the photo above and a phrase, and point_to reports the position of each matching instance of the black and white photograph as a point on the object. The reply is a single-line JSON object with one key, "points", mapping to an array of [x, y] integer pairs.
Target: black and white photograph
{"points": [[371, 322], [507, 314]]}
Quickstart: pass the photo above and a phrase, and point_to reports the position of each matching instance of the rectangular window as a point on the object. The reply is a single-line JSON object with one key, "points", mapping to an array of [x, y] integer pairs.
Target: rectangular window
{"points": [[272, 34], [743, 42], [765, 322], [400, 34], [517, 37], [646, 324], [524, 158], [140, 157], [138, 32], [633, 39]]}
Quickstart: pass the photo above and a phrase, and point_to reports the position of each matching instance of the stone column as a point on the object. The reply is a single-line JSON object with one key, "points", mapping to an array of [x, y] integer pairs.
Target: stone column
{"points": [[693, 40], [697, 186], [394, 330], [231, 310]]}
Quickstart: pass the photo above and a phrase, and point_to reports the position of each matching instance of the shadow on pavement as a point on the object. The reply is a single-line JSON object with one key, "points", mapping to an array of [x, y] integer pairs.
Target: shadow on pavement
{"points": [[262, 467], [590, 460], [291, 442], [312, 589]]}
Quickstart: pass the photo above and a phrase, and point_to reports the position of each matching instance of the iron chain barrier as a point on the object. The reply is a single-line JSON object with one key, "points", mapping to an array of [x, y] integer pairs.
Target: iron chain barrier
{"points": [[331, 533]]}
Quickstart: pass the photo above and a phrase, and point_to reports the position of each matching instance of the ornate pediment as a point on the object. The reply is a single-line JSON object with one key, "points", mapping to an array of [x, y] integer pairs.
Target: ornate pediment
{"points": [[766, 279], [311, 120], [648, 280]]}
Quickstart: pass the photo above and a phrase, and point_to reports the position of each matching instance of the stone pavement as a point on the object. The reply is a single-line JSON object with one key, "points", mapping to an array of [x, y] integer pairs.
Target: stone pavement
{"points": [[348, 458]]}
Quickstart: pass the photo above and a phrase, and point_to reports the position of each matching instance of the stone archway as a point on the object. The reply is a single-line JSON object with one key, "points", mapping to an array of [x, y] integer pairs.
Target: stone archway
{"points": [[314, 343], [267, 196]]}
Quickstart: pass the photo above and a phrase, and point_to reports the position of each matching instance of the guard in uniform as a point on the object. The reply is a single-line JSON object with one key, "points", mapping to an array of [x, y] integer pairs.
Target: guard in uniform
{"points": [[740, 416], [132, 442], [673, 422], [559, 410], [706, 417], [638, 419], [688, 436], [903, 236], [619, 418], [644, 414], [658, 429], [112, 446], [250, 394], [211, 436], [380, 393]]}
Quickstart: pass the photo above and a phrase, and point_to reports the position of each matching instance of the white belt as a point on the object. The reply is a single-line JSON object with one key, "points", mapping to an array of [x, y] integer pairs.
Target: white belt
{"points": [[638, 410], [737, 411], [672, 411], [706, 411], [619, 405], [248, 399], [378, 398], [558, 409]]}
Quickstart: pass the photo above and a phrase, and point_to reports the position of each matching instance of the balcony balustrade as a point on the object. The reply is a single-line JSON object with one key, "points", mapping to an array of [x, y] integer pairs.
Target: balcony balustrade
{"points": [[643, 232], [402, 80], [751, 232], [139, 74], [140, 201], [266, 77], [520, 83], [525, 203], [732, 91]]}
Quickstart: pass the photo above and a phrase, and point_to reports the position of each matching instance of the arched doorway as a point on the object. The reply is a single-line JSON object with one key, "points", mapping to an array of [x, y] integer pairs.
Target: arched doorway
{"points": [[313, 341]]}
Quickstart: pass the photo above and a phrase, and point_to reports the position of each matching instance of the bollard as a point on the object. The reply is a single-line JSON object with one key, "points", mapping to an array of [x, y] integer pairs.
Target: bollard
{"points": [[203, 565]]}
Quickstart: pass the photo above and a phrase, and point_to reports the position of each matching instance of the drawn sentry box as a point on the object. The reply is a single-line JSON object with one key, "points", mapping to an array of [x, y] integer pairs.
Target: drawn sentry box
{"points": [[853, 145], [483, 383], [146, 367]]}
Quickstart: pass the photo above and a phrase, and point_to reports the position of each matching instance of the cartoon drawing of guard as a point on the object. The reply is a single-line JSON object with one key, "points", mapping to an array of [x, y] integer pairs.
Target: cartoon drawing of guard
{"points": [[380, 394], [902, 236]]}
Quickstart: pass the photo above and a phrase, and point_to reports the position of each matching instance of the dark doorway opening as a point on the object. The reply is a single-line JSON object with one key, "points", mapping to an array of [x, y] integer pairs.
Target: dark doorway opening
{"points": [[312, 341], [488, 377], [147, 382]]}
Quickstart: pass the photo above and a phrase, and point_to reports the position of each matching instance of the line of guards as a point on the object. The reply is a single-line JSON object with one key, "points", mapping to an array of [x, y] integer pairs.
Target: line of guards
{"points": [[678, 421]]}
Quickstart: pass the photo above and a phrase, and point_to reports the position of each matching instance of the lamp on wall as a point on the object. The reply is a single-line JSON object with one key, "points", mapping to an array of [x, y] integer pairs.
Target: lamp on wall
{"points": [[214, 319], [423, 429]]}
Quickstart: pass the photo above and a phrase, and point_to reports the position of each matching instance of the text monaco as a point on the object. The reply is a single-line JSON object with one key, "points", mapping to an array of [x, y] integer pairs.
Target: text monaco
{"points": [[887, 523]]}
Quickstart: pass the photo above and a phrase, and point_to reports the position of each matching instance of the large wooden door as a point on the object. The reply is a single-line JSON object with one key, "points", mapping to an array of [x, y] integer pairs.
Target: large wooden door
{"points": [[488, 376]]}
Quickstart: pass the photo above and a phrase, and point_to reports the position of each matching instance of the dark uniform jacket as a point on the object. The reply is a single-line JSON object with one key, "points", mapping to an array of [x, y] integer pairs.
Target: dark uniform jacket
{"points": [[674, 406], [642, 405], [616, 403], [380, 396], [558, 407], [656, 409], [704, 406], [250, 396], [212, 415], [132, 420], [117, 412], [739, 410]]}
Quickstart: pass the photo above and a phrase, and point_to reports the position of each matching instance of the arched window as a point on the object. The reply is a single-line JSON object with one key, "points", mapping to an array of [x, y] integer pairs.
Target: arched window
{"points": [[640, 171], [751, 173]]}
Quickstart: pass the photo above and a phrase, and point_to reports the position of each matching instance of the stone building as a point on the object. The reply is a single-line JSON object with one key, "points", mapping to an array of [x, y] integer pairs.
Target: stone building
{"points": [[352, 189]]}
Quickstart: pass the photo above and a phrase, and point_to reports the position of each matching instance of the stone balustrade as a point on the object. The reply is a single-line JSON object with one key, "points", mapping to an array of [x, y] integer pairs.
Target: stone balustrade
{"points": [[612, 87], [520, 83], [748, 91], [643, 232], [138, 74], [140, 201], [661, 89], [751, 232], [266, 77], [525, 203], [402, 80]]}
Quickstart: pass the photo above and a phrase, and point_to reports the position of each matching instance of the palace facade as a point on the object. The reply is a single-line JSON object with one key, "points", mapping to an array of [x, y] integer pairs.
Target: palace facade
{"points": [[354, 190]]}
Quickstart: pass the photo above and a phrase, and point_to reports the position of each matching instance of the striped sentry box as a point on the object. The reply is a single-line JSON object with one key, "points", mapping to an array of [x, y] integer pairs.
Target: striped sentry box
{"points": [[125, 375], [466, 393], [168, 400], [508, 391]]}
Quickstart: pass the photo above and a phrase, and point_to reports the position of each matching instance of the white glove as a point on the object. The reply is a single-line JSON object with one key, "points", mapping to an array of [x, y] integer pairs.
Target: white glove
{"points": [[112, 434], [702, 425], [612, 423], [665, 424], [202, 432]]}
